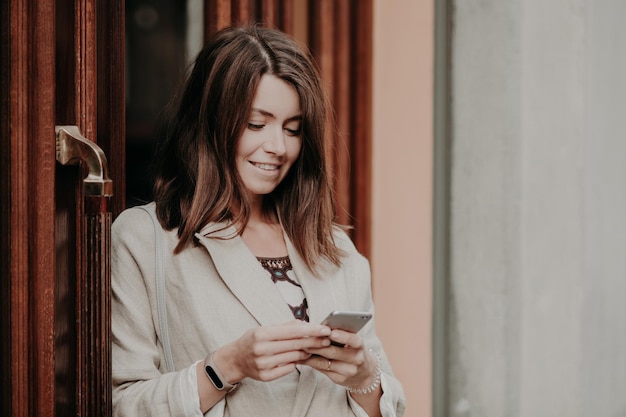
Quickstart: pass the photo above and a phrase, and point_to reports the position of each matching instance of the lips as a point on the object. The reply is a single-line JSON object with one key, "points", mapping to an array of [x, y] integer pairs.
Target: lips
{"points": [[265, 167]]}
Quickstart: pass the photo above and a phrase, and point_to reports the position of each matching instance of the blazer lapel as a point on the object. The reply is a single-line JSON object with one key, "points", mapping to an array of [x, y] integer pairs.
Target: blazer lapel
{"points": [[304, 392], [320, 292], [244, 275]]}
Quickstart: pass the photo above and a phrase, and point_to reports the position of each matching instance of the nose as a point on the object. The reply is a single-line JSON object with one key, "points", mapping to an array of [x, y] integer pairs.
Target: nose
{"points": [[275, 142]]}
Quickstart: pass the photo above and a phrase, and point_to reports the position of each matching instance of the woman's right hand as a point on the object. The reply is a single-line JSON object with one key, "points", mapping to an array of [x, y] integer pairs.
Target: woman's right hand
{"points": [[269, 352]]}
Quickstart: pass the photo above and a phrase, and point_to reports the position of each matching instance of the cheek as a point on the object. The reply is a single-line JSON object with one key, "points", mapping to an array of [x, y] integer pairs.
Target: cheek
{"points": [[244, 148]]}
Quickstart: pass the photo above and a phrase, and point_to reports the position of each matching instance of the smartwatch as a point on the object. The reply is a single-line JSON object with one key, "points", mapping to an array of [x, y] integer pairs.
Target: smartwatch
{"points": [[216, 378]]}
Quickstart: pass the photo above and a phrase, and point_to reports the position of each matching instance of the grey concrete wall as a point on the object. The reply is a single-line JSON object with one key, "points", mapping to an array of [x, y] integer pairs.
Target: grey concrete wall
{"points": [[536, 306]]}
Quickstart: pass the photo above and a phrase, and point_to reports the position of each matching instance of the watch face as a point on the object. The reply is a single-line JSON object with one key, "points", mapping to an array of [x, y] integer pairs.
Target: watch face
{"points": [[214, 378]]}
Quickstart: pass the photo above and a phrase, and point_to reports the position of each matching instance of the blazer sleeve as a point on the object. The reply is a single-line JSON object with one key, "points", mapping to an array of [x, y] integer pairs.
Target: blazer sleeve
{"points": [[140, 388], [393, 401]]}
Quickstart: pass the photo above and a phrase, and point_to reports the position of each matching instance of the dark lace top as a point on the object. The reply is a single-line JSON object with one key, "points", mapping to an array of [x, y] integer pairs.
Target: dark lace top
{"points": [[282, 274]]}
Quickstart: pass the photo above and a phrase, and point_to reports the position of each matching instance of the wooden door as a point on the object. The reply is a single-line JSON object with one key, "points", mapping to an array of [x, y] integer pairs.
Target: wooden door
{"points": [[62, 96]]}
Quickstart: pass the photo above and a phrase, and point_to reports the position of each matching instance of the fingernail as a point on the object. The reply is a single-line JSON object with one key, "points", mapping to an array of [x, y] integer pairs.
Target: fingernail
{"points": [[325, 331]]}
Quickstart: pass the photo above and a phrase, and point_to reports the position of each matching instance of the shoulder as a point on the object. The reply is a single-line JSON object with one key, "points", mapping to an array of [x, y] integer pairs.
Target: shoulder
{"points": [[134, 217], [343, 240], [134, 225], [136, 211], [351, 256]]}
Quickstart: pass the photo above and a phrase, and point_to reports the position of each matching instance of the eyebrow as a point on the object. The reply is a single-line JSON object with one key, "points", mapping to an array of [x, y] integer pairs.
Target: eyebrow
{"points": [[269, 114]]}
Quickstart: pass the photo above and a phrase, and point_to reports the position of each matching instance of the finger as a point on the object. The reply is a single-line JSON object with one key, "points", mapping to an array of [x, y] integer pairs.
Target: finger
{"points": [[330, 352], [346, 339], [321, 363], [271, 348], [278, 360], [336, 370], [276, 372], [296, 329]]}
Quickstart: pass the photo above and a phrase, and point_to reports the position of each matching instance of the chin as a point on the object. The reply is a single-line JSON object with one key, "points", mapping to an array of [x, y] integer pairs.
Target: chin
{"points": [[261, 191]]}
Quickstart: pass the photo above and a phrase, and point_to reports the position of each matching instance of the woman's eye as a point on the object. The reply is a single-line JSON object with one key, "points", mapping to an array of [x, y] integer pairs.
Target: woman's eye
{"points": [[293, 132], [255, 126]]}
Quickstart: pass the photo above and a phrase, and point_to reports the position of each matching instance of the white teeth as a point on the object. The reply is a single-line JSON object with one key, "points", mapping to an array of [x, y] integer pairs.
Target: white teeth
{"points": [[266, 167]]}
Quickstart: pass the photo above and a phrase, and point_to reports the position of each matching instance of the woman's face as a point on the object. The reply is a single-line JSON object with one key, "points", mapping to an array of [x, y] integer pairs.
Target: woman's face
{"points": [[271, 142]]}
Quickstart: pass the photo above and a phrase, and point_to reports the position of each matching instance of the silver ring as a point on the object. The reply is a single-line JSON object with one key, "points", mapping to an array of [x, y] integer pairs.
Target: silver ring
{"points": [[329, 365]]}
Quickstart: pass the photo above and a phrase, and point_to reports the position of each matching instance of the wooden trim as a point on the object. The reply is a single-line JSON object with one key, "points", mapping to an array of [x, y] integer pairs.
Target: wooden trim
{"points": [[217, 15], [340, 90], [269, 13], [85, 76], [361, 126], [28, 122], [5, 209], [242, 13], [341, 41], [111, 103], [86, 111], [94, 300], [287, 13]]}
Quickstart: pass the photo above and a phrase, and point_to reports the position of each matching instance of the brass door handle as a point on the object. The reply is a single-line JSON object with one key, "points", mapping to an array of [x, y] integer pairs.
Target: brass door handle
{"points": [[72, 148]]}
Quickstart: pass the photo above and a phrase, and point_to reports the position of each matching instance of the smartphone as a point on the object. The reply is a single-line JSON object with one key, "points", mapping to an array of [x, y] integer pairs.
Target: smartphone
{"points": [[351, 321]]}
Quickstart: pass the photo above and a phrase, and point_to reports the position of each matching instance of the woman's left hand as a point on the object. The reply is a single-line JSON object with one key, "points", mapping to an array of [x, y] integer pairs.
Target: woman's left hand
{"points": [[350, 365]]}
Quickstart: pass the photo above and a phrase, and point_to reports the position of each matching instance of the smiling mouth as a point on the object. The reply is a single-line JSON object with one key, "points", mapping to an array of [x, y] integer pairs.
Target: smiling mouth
{"points": [[265, 167]]}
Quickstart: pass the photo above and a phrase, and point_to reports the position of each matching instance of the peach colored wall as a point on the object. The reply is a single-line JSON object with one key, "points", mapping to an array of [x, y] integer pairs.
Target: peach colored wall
{"points": [[402, 191]]}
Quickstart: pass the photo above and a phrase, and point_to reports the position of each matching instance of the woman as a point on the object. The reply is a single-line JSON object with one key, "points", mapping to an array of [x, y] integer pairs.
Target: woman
{"points": [[248, 252]]}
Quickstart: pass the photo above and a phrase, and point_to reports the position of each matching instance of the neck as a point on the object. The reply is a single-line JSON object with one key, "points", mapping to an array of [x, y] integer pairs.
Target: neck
{"points": [[258, 216], [264, 235]]}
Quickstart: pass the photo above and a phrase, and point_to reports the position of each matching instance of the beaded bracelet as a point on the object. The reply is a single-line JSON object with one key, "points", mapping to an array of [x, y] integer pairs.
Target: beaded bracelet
{"points": [[374, 385]]}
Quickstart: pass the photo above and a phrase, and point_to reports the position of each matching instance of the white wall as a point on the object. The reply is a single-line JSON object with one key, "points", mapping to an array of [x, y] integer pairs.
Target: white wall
{"points": [[536, 303]]}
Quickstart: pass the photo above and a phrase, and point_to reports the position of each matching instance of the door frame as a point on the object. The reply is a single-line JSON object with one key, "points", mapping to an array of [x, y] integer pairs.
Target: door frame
{"points": [[32, 100]]}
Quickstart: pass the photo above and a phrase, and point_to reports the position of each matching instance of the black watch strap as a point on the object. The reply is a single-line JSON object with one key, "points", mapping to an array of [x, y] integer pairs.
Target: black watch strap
{"points": [[216, 378]]}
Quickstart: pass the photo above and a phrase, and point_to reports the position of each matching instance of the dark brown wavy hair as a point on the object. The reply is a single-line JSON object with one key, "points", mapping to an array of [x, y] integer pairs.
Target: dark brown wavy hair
{"points": [[196, 177]]}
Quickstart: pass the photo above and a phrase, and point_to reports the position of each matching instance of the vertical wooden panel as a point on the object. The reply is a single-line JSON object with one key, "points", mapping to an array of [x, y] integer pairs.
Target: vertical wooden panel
{"points": [[287, 13], [217, 15], [86, 93], [18, 379], [111, 94], [269, 13], [300, 15], [242, 12], [65, 297], [321, 38], [41, 165], [111, 138], [85, 36], [5, 207], [361, 116], [95, 320], [341, 67], [340, 37], [66, 191], [28, 289]]}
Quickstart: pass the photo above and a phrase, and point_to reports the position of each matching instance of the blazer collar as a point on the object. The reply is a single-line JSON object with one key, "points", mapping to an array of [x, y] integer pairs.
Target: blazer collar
{"points": [[246, 278], [244, 275]]}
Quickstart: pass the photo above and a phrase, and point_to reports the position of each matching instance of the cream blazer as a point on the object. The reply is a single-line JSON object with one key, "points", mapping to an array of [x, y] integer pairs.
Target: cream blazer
{"points": [[214, 293]]}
